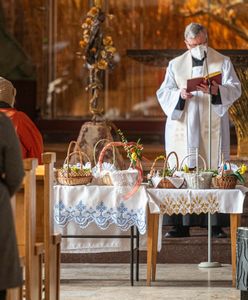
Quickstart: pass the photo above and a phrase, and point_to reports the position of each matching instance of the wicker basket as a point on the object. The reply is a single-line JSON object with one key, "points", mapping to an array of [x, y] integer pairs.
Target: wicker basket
{"points": [[225, 181], [105, 178], [200, 180], [164, 183], [70, 176], [117, 177]]}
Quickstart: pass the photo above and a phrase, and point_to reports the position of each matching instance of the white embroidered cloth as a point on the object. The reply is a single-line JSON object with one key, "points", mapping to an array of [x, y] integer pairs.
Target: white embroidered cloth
{"points": [[176, 181], [93, 210], [187, 201]]}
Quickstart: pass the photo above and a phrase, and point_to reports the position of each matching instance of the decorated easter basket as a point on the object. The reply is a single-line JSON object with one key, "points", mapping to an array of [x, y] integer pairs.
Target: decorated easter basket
{"points": [[74, 174], [107, 167], [131, 177], [200, 180], [226, 179], [165, 176]]}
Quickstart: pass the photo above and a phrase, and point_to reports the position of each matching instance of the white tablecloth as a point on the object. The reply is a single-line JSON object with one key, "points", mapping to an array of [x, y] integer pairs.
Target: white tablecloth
{"points": [[93, 210], [186, 201], [99, 210]]}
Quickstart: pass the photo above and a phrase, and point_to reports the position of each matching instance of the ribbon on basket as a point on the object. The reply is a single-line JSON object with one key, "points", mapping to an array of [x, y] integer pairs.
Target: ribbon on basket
{"points": [[137, 166]]}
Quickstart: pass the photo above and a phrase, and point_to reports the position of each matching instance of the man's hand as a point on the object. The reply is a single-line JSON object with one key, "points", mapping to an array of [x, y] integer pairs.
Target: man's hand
{"points": [[214, 88], [185, 95], [205, 89]]}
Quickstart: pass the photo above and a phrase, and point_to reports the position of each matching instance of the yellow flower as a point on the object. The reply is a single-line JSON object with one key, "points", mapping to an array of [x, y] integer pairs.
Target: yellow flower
{"points": [[243, 169], [93, 12], [186, 169], [102, 64], [83, 43], [84, 26], [111, 49], [134, 156], [89, 21], [107, 41], [103, 54]]}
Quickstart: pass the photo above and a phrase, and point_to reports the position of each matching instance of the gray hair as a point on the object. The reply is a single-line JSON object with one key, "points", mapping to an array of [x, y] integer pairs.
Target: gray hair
{"points": [[193, 29]]}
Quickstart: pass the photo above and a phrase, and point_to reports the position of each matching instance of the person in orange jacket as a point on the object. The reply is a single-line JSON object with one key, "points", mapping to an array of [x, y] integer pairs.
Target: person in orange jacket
{"points": [[30, 138]]}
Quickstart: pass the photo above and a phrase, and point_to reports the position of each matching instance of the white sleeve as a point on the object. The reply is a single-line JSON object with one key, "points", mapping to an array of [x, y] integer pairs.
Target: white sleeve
{"points": [[230, 90], [168, 95]]}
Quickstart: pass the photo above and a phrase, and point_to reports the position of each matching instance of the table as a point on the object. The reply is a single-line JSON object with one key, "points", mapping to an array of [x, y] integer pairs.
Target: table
{"points": [[170, 201], [90, 209]]}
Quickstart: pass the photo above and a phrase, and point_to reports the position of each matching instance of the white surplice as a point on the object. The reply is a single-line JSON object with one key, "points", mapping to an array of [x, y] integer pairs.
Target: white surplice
{"points": [[187, 130]]}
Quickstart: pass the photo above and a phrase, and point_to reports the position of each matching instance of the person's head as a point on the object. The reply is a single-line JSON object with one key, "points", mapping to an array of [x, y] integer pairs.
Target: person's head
{"points": [[196, 40], [7, 91]]}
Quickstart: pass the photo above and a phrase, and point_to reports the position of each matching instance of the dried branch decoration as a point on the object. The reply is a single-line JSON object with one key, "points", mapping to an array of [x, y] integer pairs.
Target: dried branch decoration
{"points": [[97, 51]]}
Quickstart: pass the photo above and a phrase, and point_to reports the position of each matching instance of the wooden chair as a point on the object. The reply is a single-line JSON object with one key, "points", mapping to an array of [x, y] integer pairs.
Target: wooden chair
{"points": [[52, 241], [31, 252]]}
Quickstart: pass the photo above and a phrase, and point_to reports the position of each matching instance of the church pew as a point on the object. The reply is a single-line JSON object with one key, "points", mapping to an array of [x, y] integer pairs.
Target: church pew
{"points": [[29, 249], [52, 240], [47, 242]]}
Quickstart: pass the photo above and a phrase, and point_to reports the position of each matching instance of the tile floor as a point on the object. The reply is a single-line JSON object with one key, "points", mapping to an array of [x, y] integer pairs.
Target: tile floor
{"points": [[174, 281]]}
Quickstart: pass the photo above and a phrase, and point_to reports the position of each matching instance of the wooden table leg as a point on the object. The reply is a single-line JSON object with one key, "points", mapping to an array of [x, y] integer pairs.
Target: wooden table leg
{"points": [[234, 222], [149, 247], [155, 246]]}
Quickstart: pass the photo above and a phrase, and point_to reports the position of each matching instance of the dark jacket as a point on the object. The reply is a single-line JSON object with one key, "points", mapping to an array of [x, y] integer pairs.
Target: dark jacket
{"points": [[11, 175]]}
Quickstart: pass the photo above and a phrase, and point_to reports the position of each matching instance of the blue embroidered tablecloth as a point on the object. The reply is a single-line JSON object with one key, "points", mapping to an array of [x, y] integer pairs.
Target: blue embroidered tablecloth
{"points": [[101, 205], [91, 209]]}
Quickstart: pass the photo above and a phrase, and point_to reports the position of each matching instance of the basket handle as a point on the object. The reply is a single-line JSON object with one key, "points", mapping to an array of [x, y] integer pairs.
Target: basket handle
{"points": [[77, 147], [203, 160], [222, 169], [154, 163], [138, 166], [166, 161], [95, 147], [66, 161], [80, 154], [111, 144]]}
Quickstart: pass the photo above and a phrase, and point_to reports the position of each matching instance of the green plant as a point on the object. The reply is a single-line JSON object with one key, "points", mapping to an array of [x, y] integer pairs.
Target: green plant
{"points": [[134, 151], [167, 172]]}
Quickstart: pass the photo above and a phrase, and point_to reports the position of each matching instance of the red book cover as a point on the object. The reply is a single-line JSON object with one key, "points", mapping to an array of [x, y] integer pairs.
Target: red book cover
{"points": [[194, 82]]}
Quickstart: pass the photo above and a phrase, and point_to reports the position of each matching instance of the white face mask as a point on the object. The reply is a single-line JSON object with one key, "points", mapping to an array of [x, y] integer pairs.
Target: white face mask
{"points": [[199, 52]]}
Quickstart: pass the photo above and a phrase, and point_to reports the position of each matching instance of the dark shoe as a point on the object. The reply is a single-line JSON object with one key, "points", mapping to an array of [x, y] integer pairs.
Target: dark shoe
{"points": [[218, 233], [177, 232]]}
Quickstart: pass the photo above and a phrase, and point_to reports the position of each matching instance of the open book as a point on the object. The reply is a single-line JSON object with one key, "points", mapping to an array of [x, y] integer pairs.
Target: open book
{"points": [[194, 82]]}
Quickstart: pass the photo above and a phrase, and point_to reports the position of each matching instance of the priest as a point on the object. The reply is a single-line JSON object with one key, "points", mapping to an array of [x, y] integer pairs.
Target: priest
{"points": [[187, 124]]}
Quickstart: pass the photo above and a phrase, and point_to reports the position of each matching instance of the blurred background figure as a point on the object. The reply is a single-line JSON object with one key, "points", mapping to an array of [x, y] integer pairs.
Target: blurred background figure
{"points": [[11, 175], [29, 135]]}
